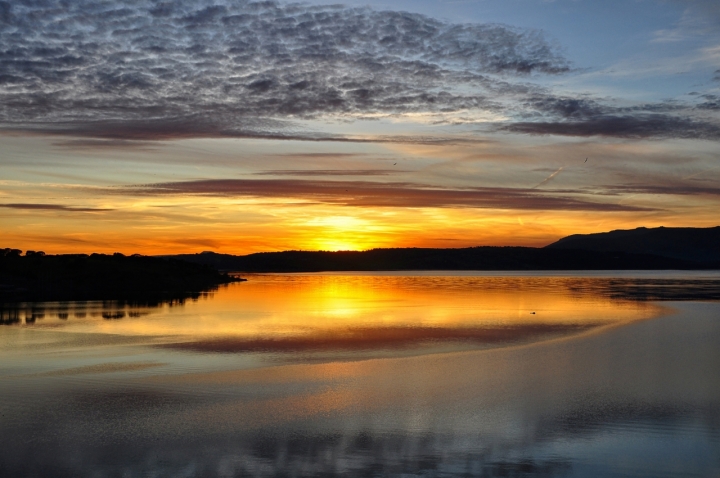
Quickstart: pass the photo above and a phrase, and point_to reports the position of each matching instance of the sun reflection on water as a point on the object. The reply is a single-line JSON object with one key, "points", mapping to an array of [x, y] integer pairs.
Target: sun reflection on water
{"points": [[298, 375], [315, 313]]}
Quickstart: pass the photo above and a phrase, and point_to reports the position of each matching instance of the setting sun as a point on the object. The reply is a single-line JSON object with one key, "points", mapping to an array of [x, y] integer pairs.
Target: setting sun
{"points": [[382, 238]]}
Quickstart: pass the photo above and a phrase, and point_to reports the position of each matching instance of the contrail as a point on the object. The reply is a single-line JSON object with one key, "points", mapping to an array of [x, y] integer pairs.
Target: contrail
{"points": [[700, 172], [549, 178]]}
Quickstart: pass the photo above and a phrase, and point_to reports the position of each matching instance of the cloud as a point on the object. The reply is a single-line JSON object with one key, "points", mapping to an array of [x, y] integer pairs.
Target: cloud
{"points": [[127, 133], [679, 189], [330, 172], [53, 207], [147, 71], [187, 68], [700, 18], [548, 114], [564, 107], [639, 126], [93, 144], [371, 194], [712, 102], [318, 155]]}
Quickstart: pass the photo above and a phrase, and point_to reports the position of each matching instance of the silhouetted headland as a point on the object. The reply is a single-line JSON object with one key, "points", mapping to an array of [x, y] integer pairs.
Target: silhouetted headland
{"points": [[686, 243], [39, 277]]}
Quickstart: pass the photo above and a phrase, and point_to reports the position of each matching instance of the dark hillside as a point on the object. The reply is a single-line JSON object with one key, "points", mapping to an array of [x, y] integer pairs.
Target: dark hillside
{"points": [[686, 243]]}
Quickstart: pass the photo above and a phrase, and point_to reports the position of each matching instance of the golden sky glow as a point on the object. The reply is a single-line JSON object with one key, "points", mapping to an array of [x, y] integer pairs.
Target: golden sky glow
{"points": [[71, 205], [480, 125]]}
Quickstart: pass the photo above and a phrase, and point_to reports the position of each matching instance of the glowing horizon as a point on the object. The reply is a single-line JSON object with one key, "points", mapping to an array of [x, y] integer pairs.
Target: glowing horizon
{"points": [[354, 127]]}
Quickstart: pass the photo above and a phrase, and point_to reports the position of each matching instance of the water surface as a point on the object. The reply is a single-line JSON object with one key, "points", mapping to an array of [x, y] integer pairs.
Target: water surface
{"points": [[373, 375]]}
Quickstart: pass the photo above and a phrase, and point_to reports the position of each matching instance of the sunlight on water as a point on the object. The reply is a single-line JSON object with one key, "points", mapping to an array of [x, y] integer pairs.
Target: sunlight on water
{"points": [[276, 313], [369, 375]]}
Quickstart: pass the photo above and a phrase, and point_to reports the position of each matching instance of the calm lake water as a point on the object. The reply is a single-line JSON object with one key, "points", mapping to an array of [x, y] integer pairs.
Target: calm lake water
{"points": [[398, 374]]}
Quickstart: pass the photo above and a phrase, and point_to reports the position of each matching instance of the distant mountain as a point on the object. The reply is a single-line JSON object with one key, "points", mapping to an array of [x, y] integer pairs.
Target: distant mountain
{"points": [[472, 258], [686, 243]]}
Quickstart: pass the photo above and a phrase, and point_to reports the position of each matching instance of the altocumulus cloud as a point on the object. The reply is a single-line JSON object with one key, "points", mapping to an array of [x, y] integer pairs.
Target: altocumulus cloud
{"points": [[142, 69], [186, 68]]}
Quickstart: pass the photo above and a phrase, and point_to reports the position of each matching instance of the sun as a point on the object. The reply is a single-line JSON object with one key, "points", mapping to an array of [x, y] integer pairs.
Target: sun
{"points": [[332, 244], [338, 233]]}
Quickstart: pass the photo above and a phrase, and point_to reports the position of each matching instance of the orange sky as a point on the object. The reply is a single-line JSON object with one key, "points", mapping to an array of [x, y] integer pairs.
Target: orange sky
{"points": [[148, 199], [245, 127]]}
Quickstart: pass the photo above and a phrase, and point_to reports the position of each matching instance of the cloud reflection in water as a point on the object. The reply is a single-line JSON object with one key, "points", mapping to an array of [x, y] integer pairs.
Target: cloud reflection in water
{"points": [[640, 399]]}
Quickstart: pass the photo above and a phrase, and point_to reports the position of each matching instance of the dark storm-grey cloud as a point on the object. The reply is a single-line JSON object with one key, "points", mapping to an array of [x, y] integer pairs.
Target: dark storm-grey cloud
{"points": [[223, 68]]}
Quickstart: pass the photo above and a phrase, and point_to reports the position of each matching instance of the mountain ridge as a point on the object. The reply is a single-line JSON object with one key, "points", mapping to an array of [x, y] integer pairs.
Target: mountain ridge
{"points": [[686, 243]]}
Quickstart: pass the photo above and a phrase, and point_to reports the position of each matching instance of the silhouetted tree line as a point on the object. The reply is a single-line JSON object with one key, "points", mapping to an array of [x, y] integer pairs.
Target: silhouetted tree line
{"points": [[37, 276], [471, 258]]}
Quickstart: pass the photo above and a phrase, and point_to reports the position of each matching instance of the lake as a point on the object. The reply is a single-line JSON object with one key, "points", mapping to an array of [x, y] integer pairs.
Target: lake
{"points": [[371, 374]]}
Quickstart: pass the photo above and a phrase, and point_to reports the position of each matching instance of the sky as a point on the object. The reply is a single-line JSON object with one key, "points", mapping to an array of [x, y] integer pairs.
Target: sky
{"points": [[240, 126]]}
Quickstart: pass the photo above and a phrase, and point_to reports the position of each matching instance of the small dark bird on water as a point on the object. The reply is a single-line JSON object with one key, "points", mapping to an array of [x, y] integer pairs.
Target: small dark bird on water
{"points": [[586, 160], [533, 313]]}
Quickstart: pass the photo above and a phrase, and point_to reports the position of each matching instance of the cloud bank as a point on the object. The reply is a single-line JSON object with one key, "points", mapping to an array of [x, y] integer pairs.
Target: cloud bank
{"points": [[374, 194], [149, 70], [52, 207], [586, 117], [188, 68], [637, 126]]}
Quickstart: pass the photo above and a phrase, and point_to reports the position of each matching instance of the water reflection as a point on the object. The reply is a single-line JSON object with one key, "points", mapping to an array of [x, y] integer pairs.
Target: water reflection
{"points": [[632, 398], [318, 317], [648, 289], [17, 313]]}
